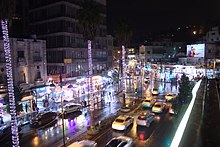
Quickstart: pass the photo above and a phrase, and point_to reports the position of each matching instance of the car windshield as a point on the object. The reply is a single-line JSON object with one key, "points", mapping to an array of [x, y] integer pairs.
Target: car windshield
{"points": [[147, 101], [154, 89], [114, 143], [142, 117], [169, 94], [119, 120], [157, 105]]}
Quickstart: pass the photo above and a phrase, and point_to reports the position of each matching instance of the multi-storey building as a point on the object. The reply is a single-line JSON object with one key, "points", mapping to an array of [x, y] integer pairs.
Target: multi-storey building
{"points": [[162, 51], [28, 61], [213, 35], [55, 21]]}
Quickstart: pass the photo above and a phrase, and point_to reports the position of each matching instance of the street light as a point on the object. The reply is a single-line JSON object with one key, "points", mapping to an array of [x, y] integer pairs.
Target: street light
{"points": [[61, 86]]}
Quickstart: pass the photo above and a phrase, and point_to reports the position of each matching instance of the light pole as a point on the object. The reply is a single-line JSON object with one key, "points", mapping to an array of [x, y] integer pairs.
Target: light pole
{"points": [[61, 86], [123, 74]]}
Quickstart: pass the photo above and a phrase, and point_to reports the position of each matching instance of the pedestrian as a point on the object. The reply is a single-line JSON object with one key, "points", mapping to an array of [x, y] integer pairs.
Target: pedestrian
{"points": [[26, 107], [84, 103], [1, 120]]}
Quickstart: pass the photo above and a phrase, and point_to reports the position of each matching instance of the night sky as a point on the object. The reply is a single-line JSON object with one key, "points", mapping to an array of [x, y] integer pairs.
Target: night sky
{"points": [[149, 16]]}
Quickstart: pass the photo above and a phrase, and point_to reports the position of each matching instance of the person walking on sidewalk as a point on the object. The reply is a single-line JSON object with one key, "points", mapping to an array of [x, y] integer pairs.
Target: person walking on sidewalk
{"points": [[26, 107]]}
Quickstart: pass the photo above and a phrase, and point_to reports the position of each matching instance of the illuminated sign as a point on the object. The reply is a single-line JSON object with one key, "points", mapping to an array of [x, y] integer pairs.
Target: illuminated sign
{"points": [[196, 50]]}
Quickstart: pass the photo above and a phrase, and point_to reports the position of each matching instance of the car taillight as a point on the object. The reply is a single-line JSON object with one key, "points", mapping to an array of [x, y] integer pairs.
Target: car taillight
{"points": [[146, 120], [141, 136]]}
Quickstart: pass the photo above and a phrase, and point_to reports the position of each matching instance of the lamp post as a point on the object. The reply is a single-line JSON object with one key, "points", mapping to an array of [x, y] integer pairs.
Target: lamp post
{"points": [[123, 74], [61, 86]]}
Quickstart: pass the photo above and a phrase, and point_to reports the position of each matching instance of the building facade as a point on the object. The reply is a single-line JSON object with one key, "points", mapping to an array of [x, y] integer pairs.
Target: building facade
{"points": [[29, 61], [55, 21]]}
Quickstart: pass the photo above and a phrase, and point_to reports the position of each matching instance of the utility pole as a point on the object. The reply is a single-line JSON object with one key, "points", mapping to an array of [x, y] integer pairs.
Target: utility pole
{"points": [[61, 86]]}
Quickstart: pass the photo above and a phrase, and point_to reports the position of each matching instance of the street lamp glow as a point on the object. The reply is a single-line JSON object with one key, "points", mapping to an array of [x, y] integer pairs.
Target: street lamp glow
{"points": [[194, 32]]}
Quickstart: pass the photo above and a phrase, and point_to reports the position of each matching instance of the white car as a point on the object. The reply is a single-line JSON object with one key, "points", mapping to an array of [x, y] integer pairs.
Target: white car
{"points": [[122, 122], [84, 143], [158, 107], [148, 103], [70, 108], [155, 91], [145, 118], [170, 96], [121, 141]]}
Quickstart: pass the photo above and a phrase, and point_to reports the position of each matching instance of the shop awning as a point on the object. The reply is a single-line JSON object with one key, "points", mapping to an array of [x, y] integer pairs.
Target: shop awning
{"points": [[26, 98]]}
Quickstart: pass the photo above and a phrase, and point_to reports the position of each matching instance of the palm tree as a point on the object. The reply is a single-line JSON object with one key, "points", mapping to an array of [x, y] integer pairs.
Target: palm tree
{"points": [[89, 20], [123, 36], [7, 9]]}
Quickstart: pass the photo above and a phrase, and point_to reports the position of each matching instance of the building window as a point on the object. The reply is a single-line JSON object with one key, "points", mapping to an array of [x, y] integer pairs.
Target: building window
{"points": [[20, 54], [209, 51]]}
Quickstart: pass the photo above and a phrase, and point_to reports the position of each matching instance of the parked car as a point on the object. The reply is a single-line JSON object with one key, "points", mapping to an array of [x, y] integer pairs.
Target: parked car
{"points": [[155, 91], [148, 102], [170, 96], [158, 107], [145, 118], [70, 108], [122, 122], [121, 141], [43, 119], [84, 143]]}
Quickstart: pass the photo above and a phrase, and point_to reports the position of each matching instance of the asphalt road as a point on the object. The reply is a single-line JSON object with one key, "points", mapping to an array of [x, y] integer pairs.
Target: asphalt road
{"points": [[157, 134]]}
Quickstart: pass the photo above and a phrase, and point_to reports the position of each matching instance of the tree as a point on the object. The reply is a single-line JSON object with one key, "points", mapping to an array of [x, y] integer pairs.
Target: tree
{"points": [[123, 33], [89, 19], [123, 36], [185, 90], [7, 9]]}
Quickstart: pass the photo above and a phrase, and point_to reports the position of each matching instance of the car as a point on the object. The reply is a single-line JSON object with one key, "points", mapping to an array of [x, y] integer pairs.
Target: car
{"points": [[155, 91], [148, 102], [145, 118], [125, 109], [158, 107], [84, 143], [121, 141], [43, 118], [70, 108], [170, 96], [122, 122]]}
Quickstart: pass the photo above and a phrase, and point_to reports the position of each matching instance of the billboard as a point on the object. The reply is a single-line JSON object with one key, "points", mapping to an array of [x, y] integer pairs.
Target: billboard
{"points": [[196, 50]]}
